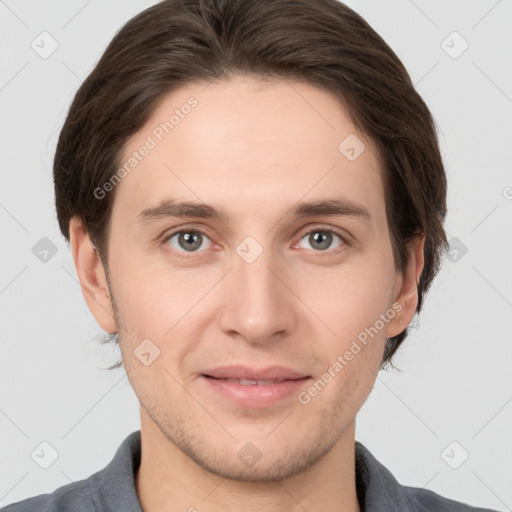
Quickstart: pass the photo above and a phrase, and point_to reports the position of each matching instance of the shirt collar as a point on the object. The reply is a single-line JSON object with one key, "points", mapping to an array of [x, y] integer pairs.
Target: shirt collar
{"points": [[113, 488], [377, 488]]}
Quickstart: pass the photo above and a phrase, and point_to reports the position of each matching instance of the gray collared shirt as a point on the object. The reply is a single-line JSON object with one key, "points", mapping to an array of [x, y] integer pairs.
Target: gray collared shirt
{"points": [[113, 489]]}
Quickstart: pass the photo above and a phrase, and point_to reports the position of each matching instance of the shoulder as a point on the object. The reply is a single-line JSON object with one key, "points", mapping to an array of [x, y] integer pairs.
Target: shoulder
{"points": [[95, 493], [70, 497], [378, 490], [426, 500]]}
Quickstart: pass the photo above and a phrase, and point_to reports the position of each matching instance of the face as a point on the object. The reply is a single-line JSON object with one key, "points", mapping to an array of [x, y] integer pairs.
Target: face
{"points": [[285, 261]]}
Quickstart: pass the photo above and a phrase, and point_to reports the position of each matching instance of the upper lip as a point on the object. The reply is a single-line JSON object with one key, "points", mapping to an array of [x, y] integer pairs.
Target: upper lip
{"points": [[248, 373]]}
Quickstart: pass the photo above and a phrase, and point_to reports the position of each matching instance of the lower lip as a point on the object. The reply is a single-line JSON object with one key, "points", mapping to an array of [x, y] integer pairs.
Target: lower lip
{"points": [[253, 395]]}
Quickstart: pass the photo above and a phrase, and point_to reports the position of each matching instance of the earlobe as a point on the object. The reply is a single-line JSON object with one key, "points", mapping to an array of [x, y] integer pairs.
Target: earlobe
{"points": [[91, 275], [406, 294]]}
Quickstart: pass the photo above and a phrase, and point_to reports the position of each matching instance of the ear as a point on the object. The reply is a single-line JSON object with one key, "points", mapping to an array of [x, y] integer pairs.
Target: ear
{"points": [[91, 275], [406, 289]]}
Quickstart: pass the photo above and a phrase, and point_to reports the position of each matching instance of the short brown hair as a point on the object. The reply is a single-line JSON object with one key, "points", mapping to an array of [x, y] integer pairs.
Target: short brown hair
{"points": [[323, 42]]}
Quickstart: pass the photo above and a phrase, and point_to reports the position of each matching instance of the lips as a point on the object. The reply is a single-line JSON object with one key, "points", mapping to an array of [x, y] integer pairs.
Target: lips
{"points": [[251, 382], [247, 376], [255, 382], [255, 388]]}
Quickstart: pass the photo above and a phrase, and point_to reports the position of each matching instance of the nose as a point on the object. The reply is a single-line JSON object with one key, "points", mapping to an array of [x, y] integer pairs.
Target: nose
{"points": [[257, 304]]}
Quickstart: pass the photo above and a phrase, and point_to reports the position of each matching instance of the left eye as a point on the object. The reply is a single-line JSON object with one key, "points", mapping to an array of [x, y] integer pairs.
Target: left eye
{"points": [[190, 241], [321, 239]]}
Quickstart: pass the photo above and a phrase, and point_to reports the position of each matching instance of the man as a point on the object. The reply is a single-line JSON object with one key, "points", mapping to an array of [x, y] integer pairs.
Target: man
{"points": [[254, 197]]}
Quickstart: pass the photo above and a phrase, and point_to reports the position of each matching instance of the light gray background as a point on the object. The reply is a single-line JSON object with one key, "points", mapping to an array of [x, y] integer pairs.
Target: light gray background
{"points": [[456, 378]]}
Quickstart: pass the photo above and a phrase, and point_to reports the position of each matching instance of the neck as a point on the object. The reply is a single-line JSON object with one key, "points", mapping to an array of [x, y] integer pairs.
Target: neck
{"points": [[167, 480]]}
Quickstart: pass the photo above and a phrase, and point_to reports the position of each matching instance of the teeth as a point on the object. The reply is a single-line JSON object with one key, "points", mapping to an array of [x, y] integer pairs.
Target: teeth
{"points": [[248, 382]]}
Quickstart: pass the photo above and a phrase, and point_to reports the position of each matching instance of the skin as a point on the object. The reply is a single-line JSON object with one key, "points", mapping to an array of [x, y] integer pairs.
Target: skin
{"points": [[253, 149]]}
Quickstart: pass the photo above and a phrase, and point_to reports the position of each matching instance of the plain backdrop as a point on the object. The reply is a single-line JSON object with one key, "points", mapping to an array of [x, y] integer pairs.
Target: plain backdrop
{"points": [[443, 422]]}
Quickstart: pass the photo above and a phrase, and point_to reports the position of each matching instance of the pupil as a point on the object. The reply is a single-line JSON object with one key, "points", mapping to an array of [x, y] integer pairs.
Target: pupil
{"points": [[322, 238], [191, 241]]}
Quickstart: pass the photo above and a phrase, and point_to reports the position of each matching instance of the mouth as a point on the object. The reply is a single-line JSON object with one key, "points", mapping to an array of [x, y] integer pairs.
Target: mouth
{"points": [[253, 382], [241, 372], [254, 391]]}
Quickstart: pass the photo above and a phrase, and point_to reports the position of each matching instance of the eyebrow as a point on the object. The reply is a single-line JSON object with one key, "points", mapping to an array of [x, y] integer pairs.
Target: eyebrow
{"points": [[171, 208]]}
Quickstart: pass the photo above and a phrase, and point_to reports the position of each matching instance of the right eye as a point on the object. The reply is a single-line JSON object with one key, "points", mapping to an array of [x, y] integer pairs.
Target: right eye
{"points": [[187, 241]]}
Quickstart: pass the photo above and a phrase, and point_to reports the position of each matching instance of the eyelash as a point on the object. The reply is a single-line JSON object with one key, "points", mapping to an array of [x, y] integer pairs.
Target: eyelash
{"points": [[185, 254]]}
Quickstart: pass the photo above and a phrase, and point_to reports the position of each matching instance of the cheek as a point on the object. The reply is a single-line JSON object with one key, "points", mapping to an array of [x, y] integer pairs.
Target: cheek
{"points": [[349, 302], [350, 298], [161, 303]]}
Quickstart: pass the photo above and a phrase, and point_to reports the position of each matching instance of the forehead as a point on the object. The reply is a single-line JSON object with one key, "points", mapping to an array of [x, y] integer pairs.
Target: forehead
{"points": [[239, 143]]}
